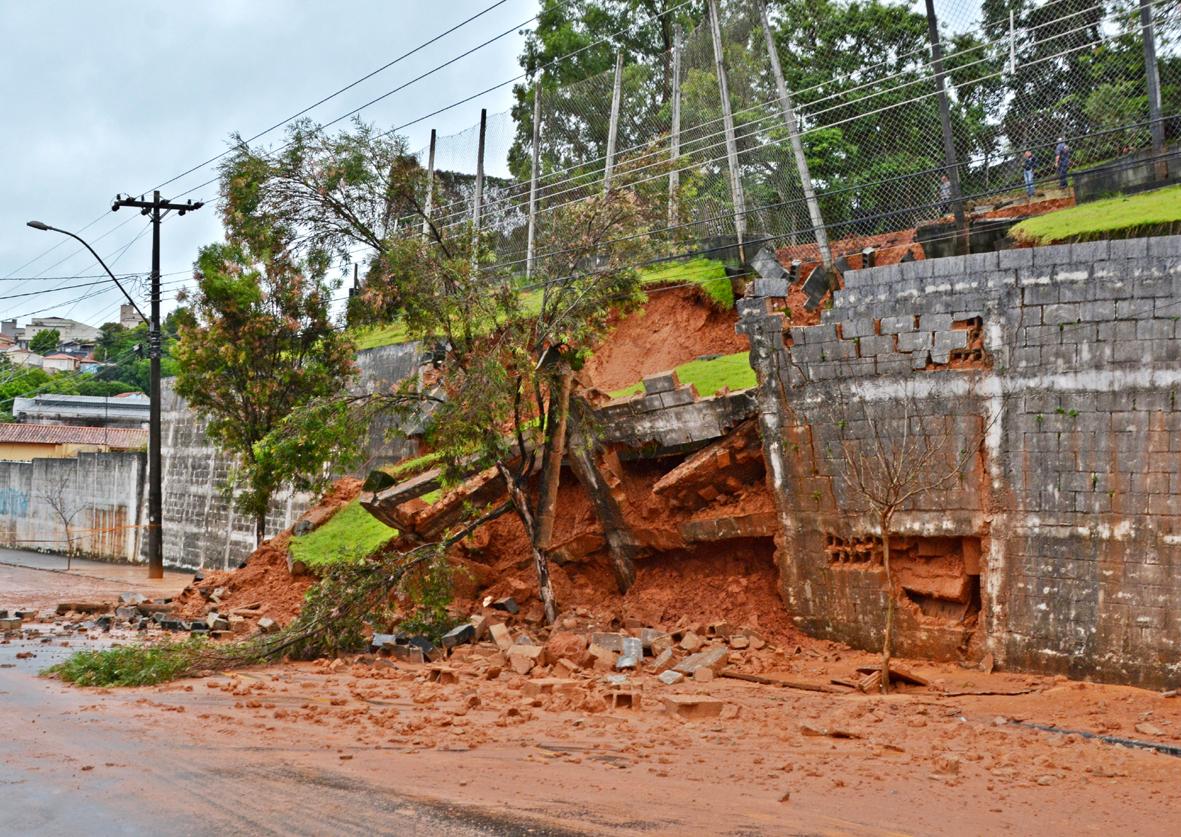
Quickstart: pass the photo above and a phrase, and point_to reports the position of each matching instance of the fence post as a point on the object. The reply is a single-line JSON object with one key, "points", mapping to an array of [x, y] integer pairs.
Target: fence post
{"points": [[797, 146], [534, 163], [613, 125], [674, 147], [951, 166], [1152, 76], [428, 204], [736, 193], [479, 196]]}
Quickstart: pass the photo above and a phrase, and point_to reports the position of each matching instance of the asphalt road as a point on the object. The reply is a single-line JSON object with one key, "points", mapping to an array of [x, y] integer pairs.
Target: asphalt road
{"points": [[68, 771]]}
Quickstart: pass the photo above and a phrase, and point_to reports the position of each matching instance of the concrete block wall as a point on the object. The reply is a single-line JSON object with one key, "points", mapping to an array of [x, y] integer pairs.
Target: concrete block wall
{"points": [[99, 493], [1075, 496], [202, 529]]}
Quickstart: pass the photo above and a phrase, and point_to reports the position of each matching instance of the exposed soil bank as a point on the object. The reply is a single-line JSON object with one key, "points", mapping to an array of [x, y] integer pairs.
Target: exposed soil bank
{"points": [[674, 327]]}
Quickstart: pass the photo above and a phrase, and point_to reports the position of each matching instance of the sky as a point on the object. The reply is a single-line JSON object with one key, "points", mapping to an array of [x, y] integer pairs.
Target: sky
{"points": [[119, 96]]}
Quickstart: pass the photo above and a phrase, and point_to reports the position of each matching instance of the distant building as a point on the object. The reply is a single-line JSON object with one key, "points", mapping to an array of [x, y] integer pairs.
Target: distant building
{"points": [[83, 410], [128, 317], [18, 356], [25, 442], [69, 330], [60, 362]]}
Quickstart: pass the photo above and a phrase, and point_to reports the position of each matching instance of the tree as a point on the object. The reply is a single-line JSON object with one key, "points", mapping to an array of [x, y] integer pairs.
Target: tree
{"points": [[59, 497], [45, 342], [259, 343], [507, 347], [890, 453]]}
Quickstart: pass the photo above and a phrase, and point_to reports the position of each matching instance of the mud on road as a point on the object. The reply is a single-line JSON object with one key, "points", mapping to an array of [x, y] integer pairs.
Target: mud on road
{"points": [[372, 746]]}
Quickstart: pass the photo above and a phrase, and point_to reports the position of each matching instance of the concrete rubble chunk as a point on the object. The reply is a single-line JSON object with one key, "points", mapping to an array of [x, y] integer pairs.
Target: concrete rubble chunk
{"points": [[267, 625], [508, 604], [691, 642], [550, 686], [10, 623], [614, 642], [670, 678], [459, 635], [501, 636], [623, 700], [523, 658], [654, 641], [132, 598], [693, 707], [713, 658], [663, 661]]}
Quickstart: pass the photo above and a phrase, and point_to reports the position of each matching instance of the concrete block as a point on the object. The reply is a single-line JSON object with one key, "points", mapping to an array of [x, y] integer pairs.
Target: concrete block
{"points": [[874, 345], [1066, 312], [915, 341], [1128, 248], [948, 340], [1089, 252], [678, 397], [983, 262], [1164, 245], [1134, 309], [935, 322], [769, 288], [897, 325], [919, 360], [1052, 255], [947, 266], [857, 327], [1019, 258], [661, 382], [1041, 294]]}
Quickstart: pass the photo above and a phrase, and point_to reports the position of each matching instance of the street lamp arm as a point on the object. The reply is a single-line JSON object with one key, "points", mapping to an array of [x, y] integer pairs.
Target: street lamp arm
{"points": [[38, 225]]}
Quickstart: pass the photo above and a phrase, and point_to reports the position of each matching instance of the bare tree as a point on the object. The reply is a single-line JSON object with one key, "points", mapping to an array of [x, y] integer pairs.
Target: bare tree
{"points": [[58, 496], [890, 453]]}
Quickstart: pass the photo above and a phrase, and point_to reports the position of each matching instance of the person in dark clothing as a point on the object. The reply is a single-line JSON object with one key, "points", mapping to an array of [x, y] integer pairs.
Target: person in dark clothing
{"points": [[1027, 171], [944, 194], [1062, 161]]}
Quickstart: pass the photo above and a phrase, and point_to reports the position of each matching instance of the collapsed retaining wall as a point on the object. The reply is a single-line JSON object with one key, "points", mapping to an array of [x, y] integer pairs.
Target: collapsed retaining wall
{"points": [[98, 494], [202, 529], [1057, 370]]}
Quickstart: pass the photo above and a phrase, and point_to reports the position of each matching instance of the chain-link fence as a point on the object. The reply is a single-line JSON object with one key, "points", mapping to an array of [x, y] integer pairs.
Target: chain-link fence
{"points": [[1064, 80]]}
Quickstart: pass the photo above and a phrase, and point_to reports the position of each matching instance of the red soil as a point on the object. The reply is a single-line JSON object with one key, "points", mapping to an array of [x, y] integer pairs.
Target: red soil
{"points": [[674, 327], [265, 580]]}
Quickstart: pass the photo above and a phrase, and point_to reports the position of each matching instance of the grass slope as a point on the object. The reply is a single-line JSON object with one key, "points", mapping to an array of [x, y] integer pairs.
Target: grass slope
{"points": [[349, 534], [731, 372], [1147, 213], [708, 274]]}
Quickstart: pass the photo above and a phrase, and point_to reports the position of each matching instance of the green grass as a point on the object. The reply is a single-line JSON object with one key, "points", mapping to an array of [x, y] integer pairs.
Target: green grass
{"points": [[349, 534], [1147, 213], [130, 665], [709, 376], [708, 274]]}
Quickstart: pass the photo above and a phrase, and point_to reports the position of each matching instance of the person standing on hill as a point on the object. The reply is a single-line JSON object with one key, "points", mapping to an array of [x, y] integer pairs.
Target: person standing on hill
{"points": [[1062, 161], [1027, 171]]}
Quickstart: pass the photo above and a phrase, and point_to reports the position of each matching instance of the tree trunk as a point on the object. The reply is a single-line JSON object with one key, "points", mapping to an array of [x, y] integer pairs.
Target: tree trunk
{"points": [[540, 560], [888, 640], [551, 466], [69, 548], [260, 528]]}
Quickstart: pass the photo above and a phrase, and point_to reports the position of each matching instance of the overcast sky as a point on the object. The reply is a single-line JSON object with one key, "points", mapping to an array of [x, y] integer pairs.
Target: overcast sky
{"points": [[119, 96]]}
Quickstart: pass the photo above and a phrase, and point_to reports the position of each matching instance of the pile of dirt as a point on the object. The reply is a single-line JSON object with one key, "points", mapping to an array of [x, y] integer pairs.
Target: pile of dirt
{"points": [[676, 326], [265, 586]]}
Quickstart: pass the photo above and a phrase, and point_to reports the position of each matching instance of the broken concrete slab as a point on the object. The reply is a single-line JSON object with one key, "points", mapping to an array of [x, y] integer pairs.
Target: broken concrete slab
{"points": [[459, 635], [713, 658]]}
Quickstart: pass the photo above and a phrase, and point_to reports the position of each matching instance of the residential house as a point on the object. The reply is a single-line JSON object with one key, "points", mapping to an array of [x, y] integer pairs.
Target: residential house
{"points": [[130, 410], [60, 362], [19, 356], [25, 442]]}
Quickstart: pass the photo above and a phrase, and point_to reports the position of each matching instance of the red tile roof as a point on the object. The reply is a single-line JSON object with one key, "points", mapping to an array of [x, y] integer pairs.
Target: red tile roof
{"points": [[122, 438]]}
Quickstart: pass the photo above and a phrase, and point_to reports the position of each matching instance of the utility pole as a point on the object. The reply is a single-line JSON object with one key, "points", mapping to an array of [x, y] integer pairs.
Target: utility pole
{"points": [[430, 188], [154, 208], [478, 198], [949, 158]]}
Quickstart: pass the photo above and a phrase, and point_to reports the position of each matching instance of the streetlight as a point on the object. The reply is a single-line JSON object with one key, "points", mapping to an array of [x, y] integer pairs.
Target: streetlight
{"points": [[41, 225], [155, 566]]}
